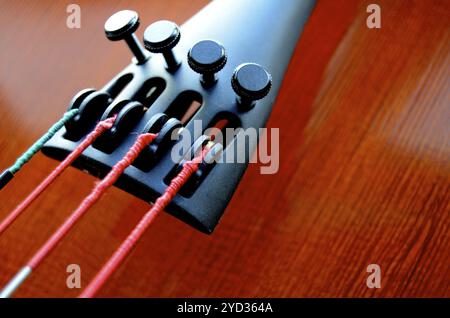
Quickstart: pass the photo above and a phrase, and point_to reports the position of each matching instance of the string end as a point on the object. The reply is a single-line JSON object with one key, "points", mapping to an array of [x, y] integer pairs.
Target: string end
{"points": [[5, 177], [15, 282]]}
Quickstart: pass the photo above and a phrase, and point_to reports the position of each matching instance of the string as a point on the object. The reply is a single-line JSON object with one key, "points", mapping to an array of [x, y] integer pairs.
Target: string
{"points": [[101, 127], [189, 168], [142, 141], [8, 174]]}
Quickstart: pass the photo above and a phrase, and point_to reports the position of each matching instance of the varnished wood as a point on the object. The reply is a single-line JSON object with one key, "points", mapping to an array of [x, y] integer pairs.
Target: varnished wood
{"points": [[364, 174]]}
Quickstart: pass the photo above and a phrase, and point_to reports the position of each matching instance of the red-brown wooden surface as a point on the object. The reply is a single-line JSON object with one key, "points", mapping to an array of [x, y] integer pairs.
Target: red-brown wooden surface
{"points": [[364, 175]]}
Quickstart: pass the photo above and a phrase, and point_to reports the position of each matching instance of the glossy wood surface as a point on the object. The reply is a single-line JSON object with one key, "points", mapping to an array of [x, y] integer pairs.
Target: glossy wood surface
{"points": [[364, 118]]}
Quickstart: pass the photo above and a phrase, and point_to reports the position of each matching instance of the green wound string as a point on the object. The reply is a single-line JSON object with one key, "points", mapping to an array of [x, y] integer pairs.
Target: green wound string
{"points": [[8, 174]]}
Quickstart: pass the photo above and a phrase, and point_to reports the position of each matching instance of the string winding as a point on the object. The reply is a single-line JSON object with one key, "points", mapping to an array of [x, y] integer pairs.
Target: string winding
{"points": [[8, 173], [142, 141], [189, 168], [101, 187], [27, 155], [101, 127]]}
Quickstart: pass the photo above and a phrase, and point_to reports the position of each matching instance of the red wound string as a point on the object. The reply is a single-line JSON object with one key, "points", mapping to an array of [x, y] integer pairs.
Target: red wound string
{"points": [[98, 130], [124, 249], [101, 187]]}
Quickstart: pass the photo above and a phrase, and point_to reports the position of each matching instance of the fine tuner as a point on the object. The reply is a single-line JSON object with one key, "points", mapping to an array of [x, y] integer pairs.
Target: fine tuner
{"points": [[203, 62], [223, 73]]}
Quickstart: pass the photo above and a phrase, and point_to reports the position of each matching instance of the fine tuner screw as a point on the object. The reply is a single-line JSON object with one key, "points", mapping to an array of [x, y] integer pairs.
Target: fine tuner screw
{"points": [[161, 37], [121, 26], [207, 57], [250, 82]]}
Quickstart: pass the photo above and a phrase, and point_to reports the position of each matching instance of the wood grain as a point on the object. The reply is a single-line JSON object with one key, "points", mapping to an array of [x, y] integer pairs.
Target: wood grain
{"points": [[364, 174]]}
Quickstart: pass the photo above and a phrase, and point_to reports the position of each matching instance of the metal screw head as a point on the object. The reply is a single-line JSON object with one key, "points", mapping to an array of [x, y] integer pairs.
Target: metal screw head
{"points": [[121, 25], [207, 56], [251, 81], [161, 36]]}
